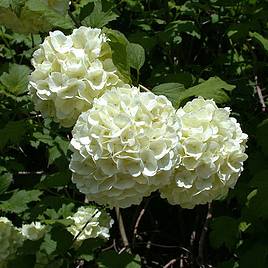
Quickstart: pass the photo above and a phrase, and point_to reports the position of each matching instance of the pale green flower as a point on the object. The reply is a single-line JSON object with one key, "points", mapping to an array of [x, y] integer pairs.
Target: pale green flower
{"points": [[10, 240], [33, 231], [90, 222], [69, 72], [125, 147], [212, 153]]}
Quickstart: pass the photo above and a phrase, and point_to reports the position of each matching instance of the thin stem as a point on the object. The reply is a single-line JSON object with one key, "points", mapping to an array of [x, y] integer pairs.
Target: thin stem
{"points": [[144, 88], [121, 228], [135, 231], [261, 99], [138, 76], [200, 258], [170, 263]]}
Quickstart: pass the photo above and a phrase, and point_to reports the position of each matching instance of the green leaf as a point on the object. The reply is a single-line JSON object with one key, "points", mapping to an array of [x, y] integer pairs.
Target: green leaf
{"points": [[49, 245], [225, 231], [261, 136], [16, 80], [118, 43], [5, 181], [44, 138], [255, 255], [12, 133], [90, 245], [175, 28], [260, 40], [111, 259], [228, 264], [99, 18], [19, 201], [24, 261], [59, 179], [170, 90], [36, 16], [60, 234], [213, 88], [136, 55], [258, 199]]}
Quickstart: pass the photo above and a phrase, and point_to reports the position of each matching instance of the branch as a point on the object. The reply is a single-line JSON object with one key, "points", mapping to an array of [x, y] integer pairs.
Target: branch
{"points": [[170, 263], [200, 258], [144, 88], [121, 228], [263, 105], [135, 231]]}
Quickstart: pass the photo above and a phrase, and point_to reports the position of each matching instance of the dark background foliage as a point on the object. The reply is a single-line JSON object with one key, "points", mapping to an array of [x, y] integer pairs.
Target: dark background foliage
{"points": [[220, 44]]}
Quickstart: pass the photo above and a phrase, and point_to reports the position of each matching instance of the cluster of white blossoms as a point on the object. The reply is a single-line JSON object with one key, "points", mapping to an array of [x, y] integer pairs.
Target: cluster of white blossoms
{"points": [[89, 222], [212, 152], [10, 240], [70, 71], [33, 231], [126, 143], [125, 146]]}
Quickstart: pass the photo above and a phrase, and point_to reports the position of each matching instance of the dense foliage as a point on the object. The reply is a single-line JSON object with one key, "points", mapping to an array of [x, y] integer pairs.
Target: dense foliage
{"points": [[216, 49]]}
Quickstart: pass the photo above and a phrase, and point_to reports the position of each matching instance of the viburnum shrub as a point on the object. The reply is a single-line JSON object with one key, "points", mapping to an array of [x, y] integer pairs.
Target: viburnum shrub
{"points": [[106, 152], [128, 143]]}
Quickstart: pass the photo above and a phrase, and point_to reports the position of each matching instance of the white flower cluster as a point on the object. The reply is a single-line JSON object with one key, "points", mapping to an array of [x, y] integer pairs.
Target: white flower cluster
{"points": [[89, 222], [10, 240], [70, 71], [33, 231], [212, 154], [124, 147]]}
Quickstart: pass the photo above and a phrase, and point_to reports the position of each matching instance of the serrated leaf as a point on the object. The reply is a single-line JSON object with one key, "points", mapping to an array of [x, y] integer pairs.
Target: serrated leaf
{"points": [[59, 233], [65, 222], [16, 80], [99, 18], [261, 135], [255, 255], [224, 236], [170, 90], [258, 199], [48, 245], [5, 181], [44, 138], [118, 43], [35, 16], [19, 201], [12, 133], [59, 179], [135, 55], [175, 28], [24, 261], [214, 88], [111, 259], [89, 245], [260, 40]]}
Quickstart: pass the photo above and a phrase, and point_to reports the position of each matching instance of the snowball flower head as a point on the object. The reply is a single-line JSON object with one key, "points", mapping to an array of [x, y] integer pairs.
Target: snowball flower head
{"points": [[124, 147], [70, 71], [212, 154], [90, 222], [33, 231], [10, 240]]}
